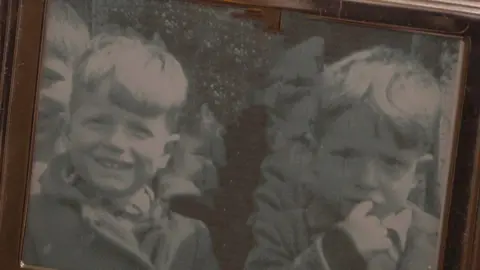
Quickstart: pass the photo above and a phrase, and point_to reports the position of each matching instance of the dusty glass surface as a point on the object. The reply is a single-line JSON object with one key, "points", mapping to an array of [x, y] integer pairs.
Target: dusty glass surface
{"points": [[173, 135]]}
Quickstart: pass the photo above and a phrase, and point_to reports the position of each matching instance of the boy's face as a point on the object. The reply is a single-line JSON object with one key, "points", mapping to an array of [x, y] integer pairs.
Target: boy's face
{"points": [[55, 90], [359, 160], [114, 150]]}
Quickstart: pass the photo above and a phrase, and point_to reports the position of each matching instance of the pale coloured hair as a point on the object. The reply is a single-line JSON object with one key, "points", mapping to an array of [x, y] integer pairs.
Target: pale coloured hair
{"points": [[140, 76], [67, 35], [395, 86]]}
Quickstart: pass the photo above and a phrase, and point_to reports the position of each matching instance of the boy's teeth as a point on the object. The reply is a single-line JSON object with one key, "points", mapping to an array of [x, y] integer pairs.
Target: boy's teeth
{"points": [[111, 165]]}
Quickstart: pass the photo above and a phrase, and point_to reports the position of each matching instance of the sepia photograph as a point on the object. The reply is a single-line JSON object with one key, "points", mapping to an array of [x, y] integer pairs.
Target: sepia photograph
{"points": [[176, 135]]}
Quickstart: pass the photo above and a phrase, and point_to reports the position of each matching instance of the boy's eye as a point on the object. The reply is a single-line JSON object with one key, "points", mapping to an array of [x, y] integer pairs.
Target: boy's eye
{"points": [[140, 131]]}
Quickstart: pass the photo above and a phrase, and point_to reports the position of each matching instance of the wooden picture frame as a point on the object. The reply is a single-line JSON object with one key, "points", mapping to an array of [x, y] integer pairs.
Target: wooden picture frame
{"points": [[232, 116]]}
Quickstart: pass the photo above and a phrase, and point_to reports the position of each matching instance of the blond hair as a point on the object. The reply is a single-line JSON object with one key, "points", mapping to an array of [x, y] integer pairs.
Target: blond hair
{"points": [[67, 35], [142, 78], [396, 87]]}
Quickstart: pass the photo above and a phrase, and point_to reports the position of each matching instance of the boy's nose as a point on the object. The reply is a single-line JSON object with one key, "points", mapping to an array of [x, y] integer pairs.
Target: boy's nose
{"points": [[368, 178], [117, 140]]}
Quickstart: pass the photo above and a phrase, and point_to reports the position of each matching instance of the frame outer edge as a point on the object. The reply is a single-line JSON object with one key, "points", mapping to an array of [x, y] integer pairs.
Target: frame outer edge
{"points": [[20, 109]]}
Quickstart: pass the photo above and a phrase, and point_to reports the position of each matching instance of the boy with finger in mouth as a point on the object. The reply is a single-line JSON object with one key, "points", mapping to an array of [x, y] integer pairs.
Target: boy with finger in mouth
{"points": [[374, 127]]}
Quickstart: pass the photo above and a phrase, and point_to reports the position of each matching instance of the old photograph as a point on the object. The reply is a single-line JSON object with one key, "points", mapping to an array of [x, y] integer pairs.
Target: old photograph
{"points": [[178, 135]]}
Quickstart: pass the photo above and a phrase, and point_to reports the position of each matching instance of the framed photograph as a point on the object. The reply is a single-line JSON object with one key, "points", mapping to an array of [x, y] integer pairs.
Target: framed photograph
{"points": [[239, 135]]}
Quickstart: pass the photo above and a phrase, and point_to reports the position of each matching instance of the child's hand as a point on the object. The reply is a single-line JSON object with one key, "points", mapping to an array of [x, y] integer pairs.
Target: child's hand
{"points": [[366, 231]]}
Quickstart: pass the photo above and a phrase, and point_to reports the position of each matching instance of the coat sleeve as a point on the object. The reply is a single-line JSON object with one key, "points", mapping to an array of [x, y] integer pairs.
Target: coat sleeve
{"points": [[205, 258]]}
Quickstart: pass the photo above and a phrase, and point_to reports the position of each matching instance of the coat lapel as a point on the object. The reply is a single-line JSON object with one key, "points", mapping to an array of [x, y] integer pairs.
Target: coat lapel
{"points": [[422, 243], [421, 252]]}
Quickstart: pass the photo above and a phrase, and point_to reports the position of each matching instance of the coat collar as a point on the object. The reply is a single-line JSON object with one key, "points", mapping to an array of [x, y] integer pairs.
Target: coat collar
{"points": [[113, 221], [145, 230]]}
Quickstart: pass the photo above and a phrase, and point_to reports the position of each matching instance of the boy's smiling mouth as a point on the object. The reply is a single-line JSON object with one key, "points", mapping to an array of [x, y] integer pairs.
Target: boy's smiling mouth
{"points": [[113, 164]]}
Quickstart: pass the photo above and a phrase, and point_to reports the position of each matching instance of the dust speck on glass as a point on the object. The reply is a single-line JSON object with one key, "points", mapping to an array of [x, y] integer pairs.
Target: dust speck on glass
{"points": [[173, 135]]}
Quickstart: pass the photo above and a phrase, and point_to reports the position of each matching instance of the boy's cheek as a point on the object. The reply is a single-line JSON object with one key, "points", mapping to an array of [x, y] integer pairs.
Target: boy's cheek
{"points": [[145, 149], [151, 148], [81, 133], [329, 186], [146, 155], [332, 172], [85, 142], [81, 139]]}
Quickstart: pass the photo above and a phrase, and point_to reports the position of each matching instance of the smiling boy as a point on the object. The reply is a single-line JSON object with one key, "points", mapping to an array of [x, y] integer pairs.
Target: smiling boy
{"points": [[374, 128], [66, 38], [124, 107]]}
